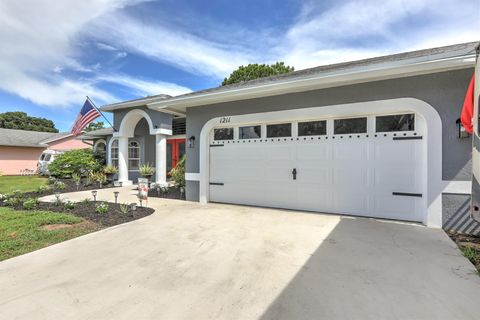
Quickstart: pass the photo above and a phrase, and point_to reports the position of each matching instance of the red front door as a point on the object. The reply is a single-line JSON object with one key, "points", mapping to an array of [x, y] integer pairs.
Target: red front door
{"points": [[175, 151]]}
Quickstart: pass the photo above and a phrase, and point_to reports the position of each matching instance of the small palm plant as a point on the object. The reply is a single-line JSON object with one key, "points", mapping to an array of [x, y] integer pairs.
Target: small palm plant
{"points": [[146, 170], [98, 177], [110, 171], [76, 178]]}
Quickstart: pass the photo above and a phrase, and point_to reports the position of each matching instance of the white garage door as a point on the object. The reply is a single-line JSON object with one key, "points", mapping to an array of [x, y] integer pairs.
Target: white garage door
{"points": [[370, 166]]}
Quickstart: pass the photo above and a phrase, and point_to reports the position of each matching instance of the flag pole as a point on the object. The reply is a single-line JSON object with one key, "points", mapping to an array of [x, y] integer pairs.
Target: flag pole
{"points": [[93, 104]]}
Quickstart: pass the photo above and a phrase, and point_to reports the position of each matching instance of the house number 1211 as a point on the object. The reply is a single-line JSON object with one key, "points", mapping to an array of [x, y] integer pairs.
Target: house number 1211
{"points": [[225, 120]]}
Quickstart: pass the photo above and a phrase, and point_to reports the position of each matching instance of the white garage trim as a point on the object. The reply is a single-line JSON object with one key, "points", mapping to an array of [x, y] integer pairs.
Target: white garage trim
{"points": [[433, 136]]}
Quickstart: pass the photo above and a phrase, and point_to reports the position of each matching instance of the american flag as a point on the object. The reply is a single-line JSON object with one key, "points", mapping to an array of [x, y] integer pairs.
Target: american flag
{"points": [[86, 115]]}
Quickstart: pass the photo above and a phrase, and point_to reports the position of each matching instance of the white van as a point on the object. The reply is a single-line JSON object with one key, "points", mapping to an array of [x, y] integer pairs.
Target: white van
{"points": [[45, 159]]}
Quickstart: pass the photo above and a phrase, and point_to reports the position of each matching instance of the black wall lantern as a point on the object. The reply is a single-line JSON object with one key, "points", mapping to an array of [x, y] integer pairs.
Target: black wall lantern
{"points": [[191, 142], [462, 133]]}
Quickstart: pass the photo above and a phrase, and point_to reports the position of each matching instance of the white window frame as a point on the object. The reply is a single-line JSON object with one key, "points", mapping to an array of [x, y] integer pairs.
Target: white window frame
{"points": [[114, 153], [134, 145]]}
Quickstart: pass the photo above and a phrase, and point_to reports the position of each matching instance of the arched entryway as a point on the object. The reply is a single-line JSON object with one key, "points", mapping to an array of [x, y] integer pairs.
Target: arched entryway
{"points": [[128, 141]]}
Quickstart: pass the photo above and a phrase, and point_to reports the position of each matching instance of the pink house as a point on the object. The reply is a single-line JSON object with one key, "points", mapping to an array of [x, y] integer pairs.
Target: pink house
{"points": [[20, 149]]}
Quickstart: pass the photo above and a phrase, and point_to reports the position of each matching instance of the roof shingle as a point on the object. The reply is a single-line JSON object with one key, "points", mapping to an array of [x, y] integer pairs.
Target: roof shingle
{"points": [[23, 138]]}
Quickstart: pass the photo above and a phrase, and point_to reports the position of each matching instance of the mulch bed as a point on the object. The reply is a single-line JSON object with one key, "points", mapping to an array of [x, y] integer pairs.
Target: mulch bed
{"points": [[464, 242], [70, 186], [87, 211], [167, 193]]}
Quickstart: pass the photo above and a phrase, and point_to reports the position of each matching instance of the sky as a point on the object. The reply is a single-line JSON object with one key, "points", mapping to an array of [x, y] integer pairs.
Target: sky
{"points": [[55, 53]]}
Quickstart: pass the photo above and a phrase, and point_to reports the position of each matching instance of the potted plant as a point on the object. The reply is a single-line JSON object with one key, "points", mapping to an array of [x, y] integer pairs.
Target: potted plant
{"points": [[146, 171], [110, 171]]}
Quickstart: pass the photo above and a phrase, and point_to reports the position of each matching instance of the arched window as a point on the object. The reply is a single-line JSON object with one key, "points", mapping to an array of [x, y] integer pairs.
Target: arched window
{"points": [[100, 151], [114, 153], [133, 155]]}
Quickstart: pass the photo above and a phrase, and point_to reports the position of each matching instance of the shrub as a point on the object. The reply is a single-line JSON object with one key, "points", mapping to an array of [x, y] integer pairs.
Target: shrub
{"points": [[76, 177], [51, 180], [13, 201], [17, 193], [101, 207], [88, 180], [69, 205], [110, 170], [59, 185], [58, 201], [30, 204], [161, 190], [98, 177], [178, 173], [73, 161], [124, 208], [470, 254], [3, 197], [42, 189], [146, 170], [86, 201]]}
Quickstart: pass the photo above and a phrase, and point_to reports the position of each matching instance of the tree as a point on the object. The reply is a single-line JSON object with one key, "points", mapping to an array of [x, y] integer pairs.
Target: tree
{"points": [[22, 121], [92, 126], [79, 161], [255, 71]]}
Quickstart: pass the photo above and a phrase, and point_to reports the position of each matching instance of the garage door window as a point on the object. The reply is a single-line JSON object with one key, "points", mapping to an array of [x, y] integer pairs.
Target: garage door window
{"points": [[312, 128], [279, 130], [250, 132], [223, 134], [399, 122], [352, 125]]}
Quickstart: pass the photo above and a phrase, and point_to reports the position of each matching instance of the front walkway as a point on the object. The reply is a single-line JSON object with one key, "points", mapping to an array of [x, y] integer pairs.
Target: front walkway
{"points": [[126, 194], [193, 261]]}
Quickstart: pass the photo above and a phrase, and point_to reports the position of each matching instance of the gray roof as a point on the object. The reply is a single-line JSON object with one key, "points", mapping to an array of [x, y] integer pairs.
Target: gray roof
{"points": [[433, 53], [382, 62], [23, 138], [136, 102], [96, 134]]}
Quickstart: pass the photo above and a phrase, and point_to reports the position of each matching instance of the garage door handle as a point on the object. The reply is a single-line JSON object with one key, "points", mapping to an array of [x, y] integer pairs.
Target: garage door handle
{"points": [[407, 194], [294, 173]]}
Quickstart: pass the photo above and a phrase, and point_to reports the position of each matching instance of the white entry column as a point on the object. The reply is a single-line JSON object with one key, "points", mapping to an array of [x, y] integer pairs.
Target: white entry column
{"points": [[161, 159], [122, 161]]}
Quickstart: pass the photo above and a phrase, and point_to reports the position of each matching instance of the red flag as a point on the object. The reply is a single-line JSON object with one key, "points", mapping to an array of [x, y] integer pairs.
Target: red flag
{"points": [[467, 111]]}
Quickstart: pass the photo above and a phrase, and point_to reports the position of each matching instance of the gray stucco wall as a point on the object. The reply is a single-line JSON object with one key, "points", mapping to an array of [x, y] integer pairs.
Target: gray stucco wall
{"points": [[160, 119], [445, 91]]}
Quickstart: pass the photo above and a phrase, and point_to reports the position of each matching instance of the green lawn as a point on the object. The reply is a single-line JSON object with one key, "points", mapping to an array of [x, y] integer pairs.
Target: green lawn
{"points": [[22, 183], [21, 231]]}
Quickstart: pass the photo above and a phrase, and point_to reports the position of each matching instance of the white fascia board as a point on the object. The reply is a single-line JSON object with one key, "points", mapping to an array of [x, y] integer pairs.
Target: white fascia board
{"points": [[127, 104], [334, 79]]}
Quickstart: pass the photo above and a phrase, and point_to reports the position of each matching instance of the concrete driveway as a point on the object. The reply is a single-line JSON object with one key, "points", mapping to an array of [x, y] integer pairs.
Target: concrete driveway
{"points": [[192, 261]]}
